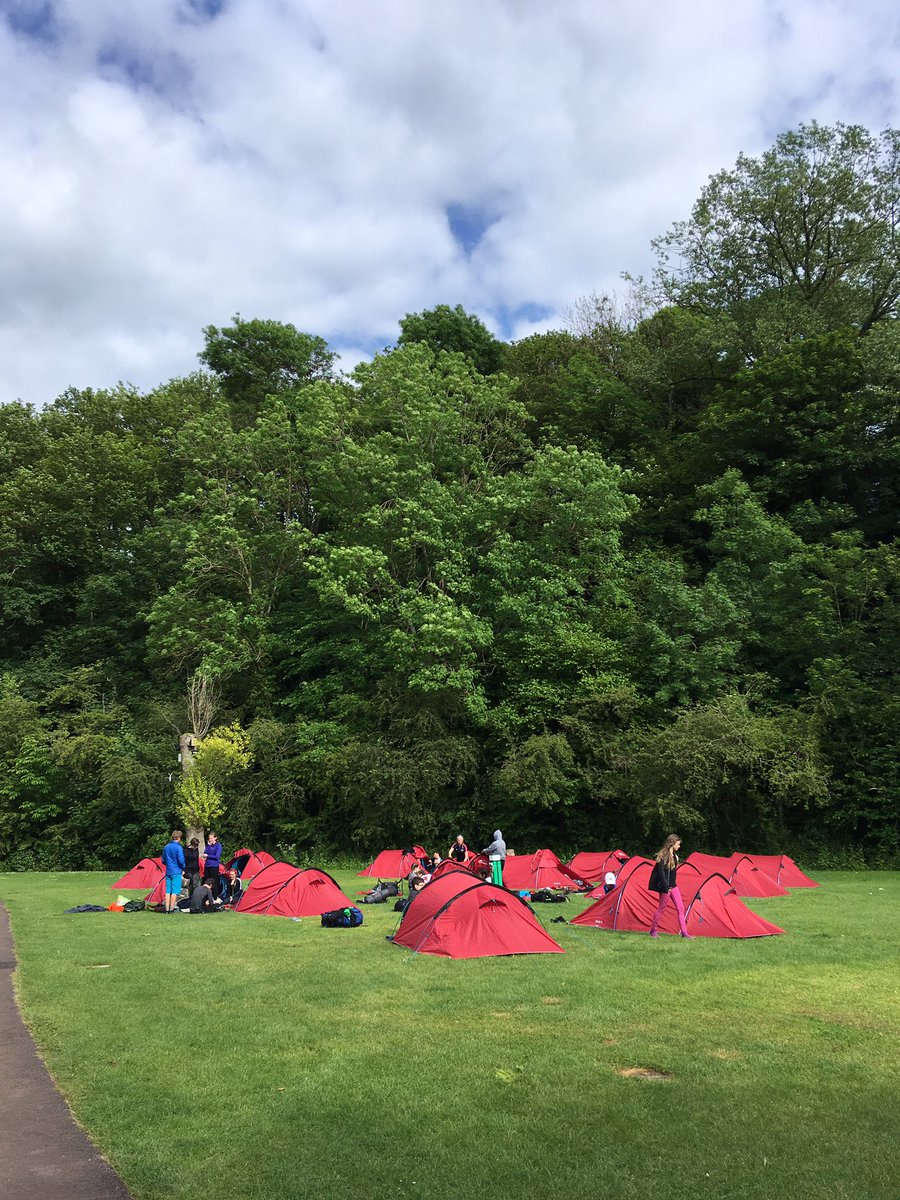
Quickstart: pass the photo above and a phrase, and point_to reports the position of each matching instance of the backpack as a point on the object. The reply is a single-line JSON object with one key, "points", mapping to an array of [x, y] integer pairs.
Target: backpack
{"points": [[545, 896], [342, 918]]}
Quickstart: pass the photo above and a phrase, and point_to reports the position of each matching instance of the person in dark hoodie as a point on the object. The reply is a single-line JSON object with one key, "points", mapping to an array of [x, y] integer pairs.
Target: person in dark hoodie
{"points": [[496, 853]]}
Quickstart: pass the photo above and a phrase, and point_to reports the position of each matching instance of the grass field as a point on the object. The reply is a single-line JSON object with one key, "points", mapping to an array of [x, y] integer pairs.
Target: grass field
{"points": [[259, 1057]]}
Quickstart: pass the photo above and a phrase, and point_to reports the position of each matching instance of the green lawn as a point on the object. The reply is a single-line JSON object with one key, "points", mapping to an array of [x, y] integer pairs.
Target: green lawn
{"points": [[264, 1058]]}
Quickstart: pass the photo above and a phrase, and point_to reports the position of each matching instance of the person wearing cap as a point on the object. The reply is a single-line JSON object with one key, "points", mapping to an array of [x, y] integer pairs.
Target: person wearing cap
{"points": [[609, 882]]}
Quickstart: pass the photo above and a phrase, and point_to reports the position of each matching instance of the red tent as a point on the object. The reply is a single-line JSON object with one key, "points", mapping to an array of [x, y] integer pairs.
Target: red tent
{"points": [[708, 864], [158, 895], [247, 863], [458, 916], [527, 873], [592, 867], [393, 864], [749, 880], [449, 864], [143, 874], [624, 871], [782, 869], [281, 890], [712, 908]]}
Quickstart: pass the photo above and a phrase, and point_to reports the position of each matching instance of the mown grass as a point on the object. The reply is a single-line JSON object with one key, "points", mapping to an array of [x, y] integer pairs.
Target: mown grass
{"points": [[278, 1059]]}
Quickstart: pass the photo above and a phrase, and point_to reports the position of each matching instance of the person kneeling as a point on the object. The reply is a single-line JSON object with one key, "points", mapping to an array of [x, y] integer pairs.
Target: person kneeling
{"points": [[201, 899]]}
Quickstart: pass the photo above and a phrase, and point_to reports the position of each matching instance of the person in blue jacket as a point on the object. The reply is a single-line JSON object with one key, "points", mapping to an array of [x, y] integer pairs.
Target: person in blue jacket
{"points": [[173, 861], [212, 864]]}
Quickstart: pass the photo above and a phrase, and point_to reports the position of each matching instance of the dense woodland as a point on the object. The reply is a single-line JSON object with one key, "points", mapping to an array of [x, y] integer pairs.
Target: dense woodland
{"points": [[636, 574]]}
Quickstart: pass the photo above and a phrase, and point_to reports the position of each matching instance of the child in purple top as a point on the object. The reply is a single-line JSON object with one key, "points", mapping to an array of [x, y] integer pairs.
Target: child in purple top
{"points": [[211, 865]]}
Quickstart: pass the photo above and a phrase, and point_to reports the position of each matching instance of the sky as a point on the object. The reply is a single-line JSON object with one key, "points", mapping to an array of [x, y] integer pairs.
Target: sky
{"points": [[336, 164]]}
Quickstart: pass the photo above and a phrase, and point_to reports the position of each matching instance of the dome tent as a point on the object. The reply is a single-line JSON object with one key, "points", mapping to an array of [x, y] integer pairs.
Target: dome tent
{"points": [[459, 916], [782, 869], [142, 874], [712, 908], [739, 870], [592, 867], [750, 880], [282, 890], [247, 863], [625, 870], [394, 864], [529, 872]]}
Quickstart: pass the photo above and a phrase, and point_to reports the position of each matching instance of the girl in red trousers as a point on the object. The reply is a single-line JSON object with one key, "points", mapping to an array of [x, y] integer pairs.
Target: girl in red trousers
{"points": [[662, 880]]}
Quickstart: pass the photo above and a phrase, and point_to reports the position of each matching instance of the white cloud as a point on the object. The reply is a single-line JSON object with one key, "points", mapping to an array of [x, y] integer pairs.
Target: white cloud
{"points": [[161, 171]]}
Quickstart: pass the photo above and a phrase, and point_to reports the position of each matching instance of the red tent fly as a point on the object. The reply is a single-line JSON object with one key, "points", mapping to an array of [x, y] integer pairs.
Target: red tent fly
{"points": [[712, 908], [394, 864], [528, 873], [782, 869], [459, 916], [592, 867], [143, 874], [282, 890]]}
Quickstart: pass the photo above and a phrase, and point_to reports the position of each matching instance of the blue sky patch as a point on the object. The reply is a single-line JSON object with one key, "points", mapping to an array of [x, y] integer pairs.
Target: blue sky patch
{"points": [[468, 224], [508, 318], [33, 19], [165, 75], [202, 10]]}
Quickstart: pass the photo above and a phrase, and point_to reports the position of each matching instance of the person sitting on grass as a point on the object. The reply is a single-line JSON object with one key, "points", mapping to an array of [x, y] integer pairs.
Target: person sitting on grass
{"points": [[232, 888], [416, 881]]}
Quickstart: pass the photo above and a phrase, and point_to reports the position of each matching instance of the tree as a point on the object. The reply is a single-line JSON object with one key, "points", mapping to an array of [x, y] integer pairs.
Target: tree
{"points": [[453, 329], [802, 239], [255, 359]]}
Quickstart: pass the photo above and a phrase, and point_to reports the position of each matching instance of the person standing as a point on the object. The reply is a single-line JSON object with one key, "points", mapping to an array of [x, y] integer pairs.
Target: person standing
{"points": [[212, 863], [663, 879], [459, 851], [496, 853], [192, 863], [173, 861]]}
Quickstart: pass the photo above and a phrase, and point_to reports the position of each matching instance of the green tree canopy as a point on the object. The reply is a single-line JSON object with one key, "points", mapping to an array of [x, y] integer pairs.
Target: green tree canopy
{"points": [[445, 328], [802, 238]]}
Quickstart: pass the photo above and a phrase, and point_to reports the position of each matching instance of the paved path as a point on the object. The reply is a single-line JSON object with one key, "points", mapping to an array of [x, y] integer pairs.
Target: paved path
{"points": [[44, 1154]]}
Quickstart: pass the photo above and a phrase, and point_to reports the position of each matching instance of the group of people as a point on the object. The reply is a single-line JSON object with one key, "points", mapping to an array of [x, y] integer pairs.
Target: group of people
{"points": [[458, 853], [199, 875], [196, 877]]}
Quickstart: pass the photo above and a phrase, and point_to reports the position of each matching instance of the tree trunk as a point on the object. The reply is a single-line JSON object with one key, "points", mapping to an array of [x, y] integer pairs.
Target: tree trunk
{"points": [[187, 744]]}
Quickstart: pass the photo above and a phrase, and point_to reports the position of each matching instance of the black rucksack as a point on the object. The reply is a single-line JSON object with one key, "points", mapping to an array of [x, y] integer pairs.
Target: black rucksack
{"points": [[342, 918]]}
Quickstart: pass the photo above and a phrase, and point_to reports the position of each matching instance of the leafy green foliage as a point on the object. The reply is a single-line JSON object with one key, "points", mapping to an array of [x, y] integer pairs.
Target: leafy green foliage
{"points": [[454, 330]]}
